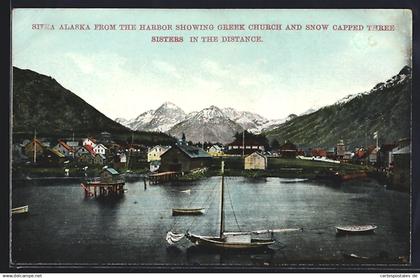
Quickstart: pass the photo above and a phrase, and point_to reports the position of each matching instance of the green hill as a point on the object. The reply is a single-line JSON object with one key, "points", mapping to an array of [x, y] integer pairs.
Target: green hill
{"points": [[386, 109], [41, 103]]}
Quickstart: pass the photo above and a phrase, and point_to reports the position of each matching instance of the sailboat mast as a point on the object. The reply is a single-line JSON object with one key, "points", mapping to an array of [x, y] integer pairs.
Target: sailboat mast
{"points": [[222, 215], [35, 146]]}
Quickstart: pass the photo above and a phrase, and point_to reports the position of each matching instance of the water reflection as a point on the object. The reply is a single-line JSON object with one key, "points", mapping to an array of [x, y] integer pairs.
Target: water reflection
{"points": [[132, 229]]}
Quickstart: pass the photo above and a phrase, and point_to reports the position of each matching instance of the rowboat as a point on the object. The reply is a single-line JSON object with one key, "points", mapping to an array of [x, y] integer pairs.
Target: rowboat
{"points": [[188, 211], [20, 210], [356, 229]]}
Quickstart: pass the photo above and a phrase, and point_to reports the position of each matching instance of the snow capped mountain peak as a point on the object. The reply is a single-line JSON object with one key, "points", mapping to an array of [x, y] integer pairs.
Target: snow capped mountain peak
{"points": [[168, 105], [169, 115], [210, 113]]}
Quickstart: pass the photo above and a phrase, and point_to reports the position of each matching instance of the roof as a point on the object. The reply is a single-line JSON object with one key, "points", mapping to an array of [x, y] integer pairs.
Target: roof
{"points": [[288, 146], [99, 145], [193, 152], [57, 153], [217, 147], [37, 142], [404, 150], [89, 149], [91, 139], [101, 155], [112, 171], [67, 147], [155, 162], [256, 153], [164, 148]]}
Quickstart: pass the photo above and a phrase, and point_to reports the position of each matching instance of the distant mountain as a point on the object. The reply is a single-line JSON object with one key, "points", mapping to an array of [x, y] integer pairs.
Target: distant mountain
{"points": [[168, 115], [249, 121], [41, 103], [385, 108], [161, 119], [207, 125]]}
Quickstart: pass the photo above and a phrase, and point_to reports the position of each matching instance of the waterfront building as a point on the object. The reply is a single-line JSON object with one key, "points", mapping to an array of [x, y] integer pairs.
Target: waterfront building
{"points": [[109, 175], [65, 149], [101, 149], [216, 150], [288, 150], [318, 152], [154, 165], [34, 148], [89, 142], [184, 158], [52, 157], [255, 161], [401, 157], [155, 152], [85, 149], [86, 158], [100, 159], [385, 155], [373, 155]]}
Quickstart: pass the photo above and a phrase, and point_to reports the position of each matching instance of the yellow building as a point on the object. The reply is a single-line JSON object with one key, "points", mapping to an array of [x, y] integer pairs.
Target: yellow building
{"points": [[155, 152], [216, 150], [255, 161]]}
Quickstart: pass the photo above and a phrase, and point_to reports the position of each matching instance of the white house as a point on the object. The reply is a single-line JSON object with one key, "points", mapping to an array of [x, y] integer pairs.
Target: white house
{"points": [[64, 149], [123, 158], [155, 152], [215, 150], [86, 149], [100, 149], [90, 142]]}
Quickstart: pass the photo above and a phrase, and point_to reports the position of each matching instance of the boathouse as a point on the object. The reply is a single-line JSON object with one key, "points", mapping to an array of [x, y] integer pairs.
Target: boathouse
{"points": [[184, 158], [255, 161], [109, 175]]}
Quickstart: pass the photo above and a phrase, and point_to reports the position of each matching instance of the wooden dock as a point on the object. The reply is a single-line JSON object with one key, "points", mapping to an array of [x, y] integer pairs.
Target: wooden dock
{"points": [[103, 189], [162, 177]]}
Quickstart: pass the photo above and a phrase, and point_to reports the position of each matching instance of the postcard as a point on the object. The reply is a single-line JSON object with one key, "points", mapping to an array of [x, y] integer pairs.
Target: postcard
{"points": [[211, 138]]}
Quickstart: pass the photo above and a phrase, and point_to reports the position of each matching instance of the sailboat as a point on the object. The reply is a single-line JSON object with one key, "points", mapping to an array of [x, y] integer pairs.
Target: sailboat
{"points": [[229, 240]]}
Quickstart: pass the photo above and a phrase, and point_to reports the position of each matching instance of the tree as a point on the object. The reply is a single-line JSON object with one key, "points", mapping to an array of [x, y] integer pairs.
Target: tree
{"points": [[275, 145]]}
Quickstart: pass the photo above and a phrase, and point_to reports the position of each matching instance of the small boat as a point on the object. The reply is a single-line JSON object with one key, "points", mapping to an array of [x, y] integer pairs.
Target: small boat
{"points": [[354, 256], [20, 210], [356, 229], [188, 211]]}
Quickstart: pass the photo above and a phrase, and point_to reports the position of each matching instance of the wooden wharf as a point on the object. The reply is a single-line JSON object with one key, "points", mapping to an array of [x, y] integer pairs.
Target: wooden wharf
{"points": [[162, 177], [103, 189]]}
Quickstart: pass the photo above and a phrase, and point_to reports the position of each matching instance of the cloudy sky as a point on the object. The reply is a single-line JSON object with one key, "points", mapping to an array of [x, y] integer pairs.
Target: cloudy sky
{"points": [[122, 74]]}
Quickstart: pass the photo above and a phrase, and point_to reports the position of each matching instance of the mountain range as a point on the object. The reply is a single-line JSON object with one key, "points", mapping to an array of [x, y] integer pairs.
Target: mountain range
{"points": [[211, 124], [384, 109], [40, 102]]}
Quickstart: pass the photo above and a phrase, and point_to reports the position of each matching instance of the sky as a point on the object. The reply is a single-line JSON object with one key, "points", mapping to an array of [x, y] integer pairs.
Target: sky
{"points": [[122, 73]]}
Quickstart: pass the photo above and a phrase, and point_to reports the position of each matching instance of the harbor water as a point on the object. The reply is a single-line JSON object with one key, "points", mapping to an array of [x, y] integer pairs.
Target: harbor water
{"points": [[65, 227]]}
